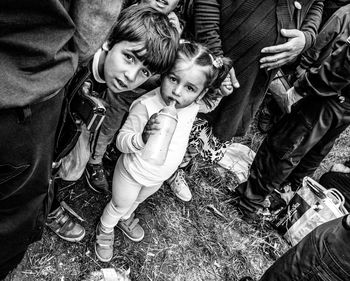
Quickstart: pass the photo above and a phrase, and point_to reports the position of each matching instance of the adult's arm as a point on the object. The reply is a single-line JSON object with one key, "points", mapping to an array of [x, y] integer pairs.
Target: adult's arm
{"points": [[312, 23], [324, 40], [93, 19], [298, 40], [206, 15], [330, 78]]}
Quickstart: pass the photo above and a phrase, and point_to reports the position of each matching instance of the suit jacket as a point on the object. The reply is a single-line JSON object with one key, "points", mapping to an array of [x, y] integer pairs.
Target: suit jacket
{"points": [[222, 26]]}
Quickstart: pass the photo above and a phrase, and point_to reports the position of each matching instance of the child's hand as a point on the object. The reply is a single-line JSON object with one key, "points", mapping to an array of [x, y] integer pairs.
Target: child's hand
{"points": [[151, 127], [174, 20], [226, 86]]}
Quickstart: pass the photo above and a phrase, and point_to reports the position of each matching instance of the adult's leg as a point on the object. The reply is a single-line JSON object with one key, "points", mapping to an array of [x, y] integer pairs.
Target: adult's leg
{"points": [[27, 143], [310, 162], [340, 181], [324, 254], [281, 151], [339, 114]]}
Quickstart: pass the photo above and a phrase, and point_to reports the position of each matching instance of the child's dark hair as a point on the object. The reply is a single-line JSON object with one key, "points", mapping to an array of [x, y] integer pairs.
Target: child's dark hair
{"points": [[144, 24], [218, 68]]}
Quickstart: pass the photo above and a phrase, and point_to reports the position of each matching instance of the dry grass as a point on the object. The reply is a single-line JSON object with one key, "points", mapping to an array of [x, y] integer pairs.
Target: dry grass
{"points": [[204, 239]]}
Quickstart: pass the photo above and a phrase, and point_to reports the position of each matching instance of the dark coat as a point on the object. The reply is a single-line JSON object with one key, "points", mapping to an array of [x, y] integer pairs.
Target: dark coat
{"points": [[228, 27]]}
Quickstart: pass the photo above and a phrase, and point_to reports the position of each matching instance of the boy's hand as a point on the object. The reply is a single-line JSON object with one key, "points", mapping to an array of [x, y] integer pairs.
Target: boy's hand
{"points": [[151, 127], [226, 86], [174, 20], [284, 53]]}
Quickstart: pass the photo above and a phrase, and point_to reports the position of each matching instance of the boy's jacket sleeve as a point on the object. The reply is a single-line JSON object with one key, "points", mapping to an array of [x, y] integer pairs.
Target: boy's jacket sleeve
{"points": [[331, 77]]}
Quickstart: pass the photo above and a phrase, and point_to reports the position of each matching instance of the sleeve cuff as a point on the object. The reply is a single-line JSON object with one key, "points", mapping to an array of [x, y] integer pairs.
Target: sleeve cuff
{"points": [[137, 141], [308, 41]]}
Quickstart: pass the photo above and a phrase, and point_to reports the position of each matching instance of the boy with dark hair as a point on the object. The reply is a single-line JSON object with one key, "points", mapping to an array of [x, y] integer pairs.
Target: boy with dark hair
{"points": [[142, 43], [160, 38]]}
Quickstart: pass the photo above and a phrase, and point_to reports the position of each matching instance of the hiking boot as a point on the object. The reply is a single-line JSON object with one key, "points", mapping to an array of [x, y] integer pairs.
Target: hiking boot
{"points": [[96, 178], [60, 223], [179, 185], [131, 228], [104, 244]]}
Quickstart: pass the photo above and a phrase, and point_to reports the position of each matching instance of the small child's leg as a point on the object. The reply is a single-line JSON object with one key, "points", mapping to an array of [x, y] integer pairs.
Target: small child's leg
{"points": [[124, 193], [145, 192], [128, 223]]}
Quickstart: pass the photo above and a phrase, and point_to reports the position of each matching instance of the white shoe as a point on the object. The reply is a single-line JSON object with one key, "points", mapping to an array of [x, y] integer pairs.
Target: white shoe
{"points": [[179, 186]]}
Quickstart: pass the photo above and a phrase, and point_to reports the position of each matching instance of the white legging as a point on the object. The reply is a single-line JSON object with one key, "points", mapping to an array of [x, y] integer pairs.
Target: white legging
{"points": [[127, 194]]}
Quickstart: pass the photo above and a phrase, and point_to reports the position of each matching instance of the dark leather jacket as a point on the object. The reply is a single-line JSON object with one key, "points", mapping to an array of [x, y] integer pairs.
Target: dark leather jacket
{"points": [[70, 128], [332, 78]]}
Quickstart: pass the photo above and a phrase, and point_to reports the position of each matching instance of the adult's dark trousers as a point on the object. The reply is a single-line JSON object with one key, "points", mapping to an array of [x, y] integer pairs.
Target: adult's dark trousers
{"points": [[340, 181], [26, 189], [294, 148], [323, 255]]}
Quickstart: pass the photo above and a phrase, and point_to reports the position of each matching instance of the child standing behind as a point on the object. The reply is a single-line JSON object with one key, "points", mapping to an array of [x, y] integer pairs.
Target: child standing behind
{"points": [[190, 80], [118, 105], [142, 43]]}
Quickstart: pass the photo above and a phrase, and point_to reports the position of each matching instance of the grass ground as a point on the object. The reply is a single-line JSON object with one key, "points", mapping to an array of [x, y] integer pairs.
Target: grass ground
{"points": [[204, 239]]}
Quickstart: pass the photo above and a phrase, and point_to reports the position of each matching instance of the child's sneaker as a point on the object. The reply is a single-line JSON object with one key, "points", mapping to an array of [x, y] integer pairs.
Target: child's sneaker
{"points": [[179, 186], [96, 178], [104, 245], [131, 228], [60, 223]]}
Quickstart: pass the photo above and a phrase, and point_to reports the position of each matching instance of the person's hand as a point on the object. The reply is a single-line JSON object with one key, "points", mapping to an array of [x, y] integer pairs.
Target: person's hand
{"points": [[340, 168], [234, 80], [174, 20], [226, 87], [284, 53], [299, 72], [291, 98], [151, 127]]}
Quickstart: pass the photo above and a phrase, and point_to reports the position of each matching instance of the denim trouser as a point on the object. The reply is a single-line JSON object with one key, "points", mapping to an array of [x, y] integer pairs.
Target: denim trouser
{"points": [[323, 255], [294, 148], [340, 181], [116, 113], [26, 153]]}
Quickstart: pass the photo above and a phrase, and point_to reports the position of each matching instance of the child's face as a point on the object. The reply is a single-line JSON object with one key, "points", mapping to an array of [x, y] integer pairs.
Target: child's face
{"points": [[163, 6], [184, 83], [123, 71]]}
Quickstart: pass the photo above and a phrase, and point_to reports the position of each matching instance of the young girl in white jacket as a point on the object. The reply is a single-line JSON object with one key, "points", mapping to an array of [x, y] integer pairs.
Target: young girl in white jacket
{"points": [[195, 76]]}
